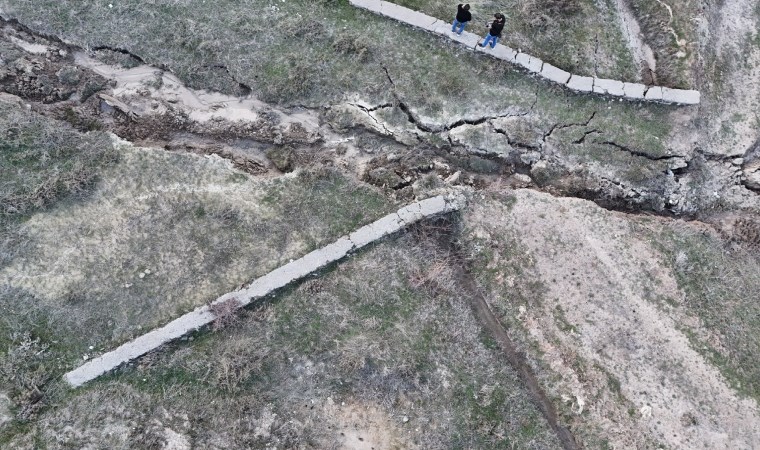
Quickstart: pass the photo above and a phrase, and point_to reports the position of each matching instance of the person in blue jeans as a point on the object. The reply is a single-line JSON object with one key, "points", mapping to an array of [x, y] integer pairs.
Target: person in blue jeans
{"points": [[494, 30], [463, 16]]}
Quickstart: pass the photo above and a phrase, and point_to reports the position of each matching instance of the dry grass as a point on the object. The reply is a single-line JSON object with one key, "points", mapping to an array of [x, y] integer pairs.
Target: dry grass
{"points": [[721, 287], [577, 35], [43, 161], [361, 335], [159, 234], [226, 313], [672, 38]]}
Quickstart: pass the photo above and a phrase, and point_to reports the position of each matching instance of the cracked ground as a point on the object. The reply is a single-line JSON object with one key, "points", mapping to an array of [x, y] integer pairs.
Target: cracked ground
{"points": [[599, 291]]}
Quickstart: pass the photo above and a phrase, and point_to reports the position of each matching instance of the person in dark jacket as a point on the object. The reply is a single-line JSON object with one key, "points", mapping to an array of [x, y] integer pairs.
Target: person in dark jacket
{"points": [[494, 30], [463, 16]]}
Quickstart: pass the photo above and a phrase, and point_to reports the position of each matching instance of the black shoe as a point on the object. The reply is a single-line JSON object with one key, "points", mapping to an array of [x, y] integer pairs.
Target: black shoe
{"points": [[481, 45]]}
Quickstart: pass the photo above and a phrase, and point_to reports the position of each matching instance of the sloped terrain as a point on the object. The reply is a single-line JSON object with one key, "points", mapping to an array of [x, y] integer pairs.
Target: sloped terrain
{"points": [[599, 290]]}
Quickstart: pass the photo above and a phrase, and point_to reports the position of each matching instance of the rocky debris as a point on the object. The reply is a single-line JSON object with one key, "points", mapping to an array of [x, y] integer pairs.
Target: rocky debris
{"points": [[69, 75], [384, 177], [118, 105], [32, 78], [281, 157], [751, 175], [240, 160], [41, 73], [478, 164], [157, 112], [454, 178], [520, 180]]}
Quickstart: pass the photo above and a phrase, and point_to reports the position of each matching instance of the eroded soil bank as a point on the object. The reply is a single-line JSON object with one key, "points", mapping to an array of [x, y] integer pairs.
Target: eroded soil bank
{"points": [[627, 321]]}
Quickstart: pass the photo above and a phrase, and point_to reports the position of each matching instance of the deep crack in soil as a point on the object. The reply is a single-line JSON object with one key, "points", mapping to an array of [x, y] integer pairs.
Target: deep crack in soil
{"points": [[156, 128]]}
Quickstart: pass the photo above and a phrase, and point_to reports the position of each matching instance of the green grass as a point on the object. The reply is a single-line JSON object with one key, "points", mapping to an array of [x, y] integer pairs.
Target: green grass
{"points": [[77, 275]]}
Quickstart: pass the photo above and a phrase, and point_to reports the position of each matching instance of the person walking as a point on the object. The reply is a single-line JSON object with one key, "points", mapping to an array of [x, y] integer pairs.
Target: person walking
{"points": [[494, 30], [463, 16]]}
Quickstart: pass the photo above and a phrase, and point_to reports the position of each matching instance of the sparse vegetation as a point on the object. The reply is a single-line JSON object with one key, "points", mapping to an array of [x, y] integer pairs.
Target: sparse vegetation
{"points": [[384, 341], [220, 238], [669, 30], [101, 241], [579, 36], [721, 287], [42, 161]]}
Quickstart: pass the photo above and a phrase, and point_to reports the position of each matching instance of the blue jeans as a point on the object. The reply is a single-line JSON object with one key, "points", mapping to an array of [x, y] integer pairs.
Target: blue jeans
{"points": [[492, 39], [458, 24]]}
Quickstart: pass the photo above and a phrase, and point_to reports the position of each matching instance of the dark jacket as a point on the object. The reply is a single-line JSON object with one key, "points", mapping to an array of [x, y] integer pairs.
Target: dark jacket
{"points": [[462, 14], [496, 27]]}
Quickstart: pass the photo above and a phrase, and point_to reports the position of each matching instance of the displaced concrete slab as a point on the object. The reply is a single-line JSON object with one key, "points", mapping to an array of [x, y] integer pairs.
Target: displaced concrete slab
{"points": [[609, 87], [431, 206], [634, 91], [535, 65], [581, 84], [555, 74], [140, 346], [440, 27], [654, 93], [411, 213], [523, 59], [318, 258], [681, 96], [265, 285], [376, 230], [504, 52], [364, 236]]}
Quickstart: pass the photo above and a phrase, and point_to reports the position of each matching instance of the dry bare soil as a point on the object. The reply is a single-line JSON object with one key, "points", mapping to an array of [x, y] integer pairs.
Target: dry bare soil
{"points": [[600, 290]]}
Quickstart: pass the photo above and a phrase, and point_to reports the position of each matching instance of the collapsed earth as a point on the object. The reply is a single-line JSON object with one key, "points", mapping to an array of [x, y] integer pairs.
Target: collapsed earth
{"points": [[598, 287]]}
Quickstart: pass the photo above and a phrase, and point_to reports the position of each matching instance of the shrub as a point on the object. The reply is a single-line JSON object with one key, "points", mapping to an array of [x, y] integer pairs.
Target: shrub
{"points": [[226, 313]]}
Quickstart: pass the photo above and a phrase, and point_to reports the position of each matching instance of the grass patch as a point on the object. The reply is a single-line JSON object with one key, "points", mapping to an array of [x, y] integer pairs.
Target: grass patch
{"points": [[43, 161], [663, 33], [159, 234], [579, 36], [721, 288], [365, 333]]}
